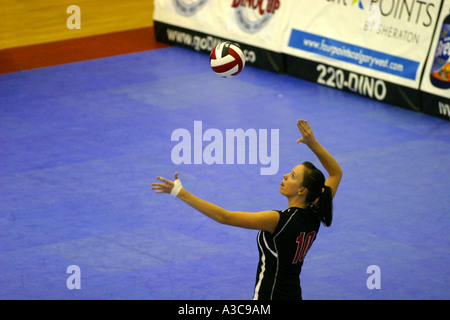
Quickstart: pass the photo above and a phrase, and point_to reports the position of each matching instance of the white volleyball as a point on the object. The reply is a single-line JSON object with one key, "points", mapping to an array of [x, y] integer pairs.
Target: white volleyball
{"points": [[227, 59]]}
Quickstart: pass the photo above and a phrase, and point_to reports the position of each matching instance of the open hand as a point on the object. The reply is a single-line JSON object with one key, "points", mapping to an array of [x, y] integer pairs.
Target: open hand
{"points": [[306, 131], [166, 186]]}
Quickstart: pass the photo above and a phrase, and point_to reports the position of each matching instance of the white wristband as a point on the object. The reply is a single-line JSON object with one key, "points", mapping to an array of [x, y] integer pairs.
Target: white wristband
{"points": [[176, 188]]}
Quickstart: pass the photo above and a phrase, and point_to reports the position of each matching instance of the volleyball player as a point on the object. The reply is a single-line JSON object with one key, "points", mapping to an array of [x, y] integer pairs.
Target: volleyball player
{"points": [[286, 235]]}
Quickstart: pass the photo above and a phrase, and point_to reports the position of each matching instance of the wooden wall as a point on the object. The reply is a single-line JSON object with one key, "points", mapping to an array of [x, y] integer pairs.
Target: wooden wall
{"points": [[34, 33]]}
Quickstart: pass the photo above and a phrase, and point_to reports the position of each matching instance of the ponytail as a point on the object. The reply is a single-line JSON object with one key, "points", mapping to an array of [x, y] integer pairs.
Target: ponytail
{"points": [[314, 181], [325, 206]]}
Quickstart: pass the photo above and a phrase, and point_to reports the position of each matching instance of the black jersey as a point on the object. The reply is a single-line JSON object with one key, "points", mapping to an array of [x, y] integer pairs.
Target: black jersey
{"points": [[281, 254]]}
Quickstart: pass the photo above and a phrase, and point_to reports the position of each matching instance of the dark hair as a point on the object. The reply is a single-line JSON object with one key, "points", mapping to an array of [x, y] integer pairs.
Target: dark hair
{"points": [[314, 181]]}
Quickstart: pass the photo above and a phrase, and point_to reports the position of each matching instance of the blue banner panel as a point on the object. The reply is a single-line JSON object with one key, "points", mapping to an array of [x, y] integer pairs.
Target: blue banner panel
{"points": [[357, 55]]}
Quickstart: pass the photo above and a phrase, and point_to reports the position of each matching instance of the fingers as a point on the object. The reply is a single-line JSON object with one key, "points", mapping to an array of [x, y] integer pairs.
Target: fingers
{"points": [[164, 187], [161, 189], [304, 127], [157, 185], [306, 131], [163, 179], [302, 124]]}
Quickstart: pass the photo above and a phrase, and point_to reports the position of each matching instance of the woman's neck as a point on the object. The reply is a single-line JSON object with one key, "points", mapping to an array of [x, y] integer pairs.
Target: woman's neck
{"points": [[296, 202]]}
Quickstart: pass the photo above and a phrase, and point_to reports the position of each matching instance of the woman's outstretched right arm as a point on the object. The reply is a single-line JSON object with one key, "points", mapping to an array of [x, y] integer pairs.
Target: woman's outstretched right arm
{"points": [[263, 220]]}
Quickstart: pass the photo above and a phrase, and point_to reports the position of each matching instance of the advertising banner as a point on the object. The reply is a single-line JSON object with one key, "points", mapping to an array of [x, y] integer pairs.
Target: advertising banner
{"points": [[436, 79], [394, 51], [257, 26], [376, 48]]}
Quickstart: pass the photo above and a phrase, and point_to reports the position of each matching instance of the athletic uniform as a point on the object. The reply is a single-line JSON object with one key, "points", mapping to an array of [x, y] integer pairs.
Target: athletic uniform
{"points": [[281, 254]]}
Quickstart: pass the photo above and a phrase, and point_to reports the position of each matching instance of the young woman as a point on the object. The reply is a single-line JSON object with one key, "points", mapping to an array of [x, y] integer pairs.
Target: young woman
{"points": [[285, 236]]}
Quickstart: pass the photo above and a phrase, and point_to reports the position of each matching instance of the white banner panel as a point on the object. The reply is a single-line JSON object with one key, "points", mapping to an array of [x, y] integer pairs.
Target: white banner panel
{"points": [[259, 23], [384, 39]]}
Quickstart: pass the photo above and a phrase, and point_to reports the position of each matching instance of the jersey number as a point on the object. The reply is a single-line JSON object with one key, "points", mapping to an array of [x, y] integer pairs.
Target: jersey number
{"points": [[303, 245]]}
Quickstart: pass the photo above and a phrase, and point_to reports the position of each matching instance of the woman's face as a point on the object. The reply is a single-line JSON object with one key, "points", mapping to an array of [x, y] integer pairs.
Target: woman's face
{"points": [[291, 184]]}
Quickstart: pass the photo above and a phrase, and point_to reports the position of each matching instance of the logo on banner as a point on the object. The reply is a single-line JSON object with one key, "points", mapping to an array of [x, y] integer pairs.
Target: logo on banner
{"points": [[382, 14], [417, 11], [440, 71], [188, 7], [253, 15]]}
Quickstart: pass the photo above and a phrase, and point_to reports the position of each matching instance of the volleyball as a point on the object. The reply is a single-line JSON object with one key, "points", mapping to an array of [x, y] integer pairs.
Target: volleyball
{"points": [[227, 59]]}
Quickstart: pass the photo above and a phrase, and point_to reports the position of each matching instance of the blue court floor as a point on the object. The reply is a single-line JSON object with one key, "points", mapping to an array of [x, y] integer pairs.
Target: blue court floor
{"points": [[81, 143]]}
